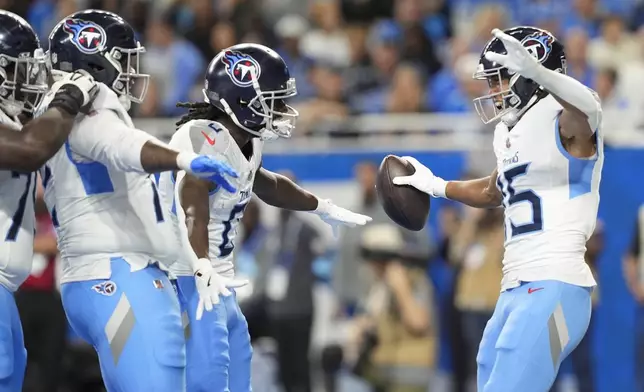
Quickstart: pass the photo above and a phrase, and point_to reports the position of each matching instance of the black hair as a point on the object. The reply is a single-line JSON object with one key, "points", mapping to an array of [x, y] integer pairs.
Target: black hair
{"points": [[198, 111]]}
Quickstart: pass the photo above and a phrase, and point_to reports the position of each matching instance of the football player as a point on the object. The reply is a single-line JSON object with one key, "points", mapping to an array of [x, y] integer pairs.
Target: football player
{"points": [[549, 152], [23, 149], [114, 238], [245, 92]]}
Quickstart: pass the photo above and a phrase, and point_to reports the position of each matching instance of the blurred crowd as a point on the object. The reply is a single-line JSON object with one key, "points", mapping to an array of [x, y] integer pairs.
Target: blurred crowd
{"points": [[368, 56], [386, 319]]}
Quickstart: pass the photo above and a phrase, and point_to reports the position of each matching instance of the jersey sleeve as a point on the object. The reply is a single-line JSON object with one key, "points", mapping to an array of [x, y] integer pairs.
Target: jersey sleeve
{"points": [[103, 137], [201, 137]]}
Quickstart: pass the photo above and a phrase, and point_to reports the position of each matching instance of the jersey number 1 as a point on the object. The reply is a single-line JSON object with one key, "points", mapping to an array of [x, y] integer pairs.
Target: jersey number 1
{"points": [[511, 197]]}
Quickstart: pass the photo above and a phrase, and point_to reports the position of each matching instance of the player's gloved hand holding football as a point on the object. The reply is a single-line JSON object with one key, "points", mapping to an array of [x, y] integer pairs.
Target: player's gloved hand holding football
{"points": [[423, 179], [518, 58], [207, 167], [74, 92], [210, 285], [337, 216]]}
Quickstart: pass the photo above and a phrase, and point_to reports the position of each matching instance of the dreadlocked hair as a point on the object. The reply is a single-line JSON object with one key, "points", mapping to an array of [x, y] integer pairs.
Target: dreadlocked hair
{"points": [[198, 111]]}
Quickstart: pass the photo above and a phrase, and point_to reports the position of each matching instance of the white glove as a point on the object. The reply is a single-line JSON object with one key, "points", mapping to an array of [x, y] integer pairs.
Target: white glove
{"points": [[423, 179], [336, 216], [210, 285], [518, 58], [81, 80]]}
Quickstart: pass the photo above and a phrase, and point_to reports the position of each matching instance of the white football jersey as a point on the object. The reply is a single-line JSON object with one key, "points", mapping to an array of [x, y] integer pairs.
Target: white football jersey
{"points": [[226, 209], [101, 207], [17, 220], [550, 198]]}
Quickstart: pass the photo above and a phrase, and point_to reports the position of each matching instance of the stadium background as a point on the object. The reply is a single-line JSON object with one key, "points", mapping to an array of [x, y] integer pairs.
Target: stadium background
{"points": [[393, 76]]}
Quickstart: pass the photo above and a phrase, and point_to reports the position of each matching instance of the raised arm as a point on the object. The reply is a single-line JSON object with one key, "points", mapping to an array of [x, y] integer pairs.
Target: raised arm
{"points": [[582, 111]]}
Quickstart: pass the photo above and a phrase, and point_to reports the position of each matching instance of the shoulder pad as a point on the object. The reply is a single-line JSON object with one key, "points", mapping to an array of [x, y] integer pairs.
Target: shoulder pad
{"points": [[202, 137]]}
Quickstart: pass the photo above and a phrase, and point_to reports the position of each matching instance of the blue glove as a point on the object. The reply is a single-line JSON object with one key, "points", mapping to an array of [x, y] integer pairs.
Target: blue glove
{"points": [[207, 167]]}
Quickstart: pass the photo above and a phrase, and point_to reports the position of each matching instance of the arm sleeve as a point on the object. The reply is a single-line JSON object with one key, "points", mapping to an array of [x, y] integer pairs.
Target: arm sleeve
{"points": [[573, 92], [105, 138]]}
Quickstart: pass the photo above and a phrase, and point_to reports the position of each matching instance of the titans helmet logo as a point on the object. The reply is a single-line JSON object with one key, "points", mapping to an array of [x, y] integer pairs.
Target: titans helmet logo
{"points": [[539, 45], [88, 37], [241, 68]]}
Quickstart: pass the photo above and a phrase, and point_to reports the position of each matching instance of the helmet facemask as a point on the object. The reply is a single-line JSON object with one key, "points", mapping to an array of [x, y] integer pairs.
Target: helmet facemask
{"points": [[23, 82], [277, 118], [502, 100], [130, 82]]}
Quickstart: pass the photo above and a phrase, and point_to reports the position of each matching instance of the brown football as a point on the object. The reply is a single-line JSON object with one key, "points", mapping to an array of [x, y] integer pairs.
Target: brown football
{"points": [[405, 205]]}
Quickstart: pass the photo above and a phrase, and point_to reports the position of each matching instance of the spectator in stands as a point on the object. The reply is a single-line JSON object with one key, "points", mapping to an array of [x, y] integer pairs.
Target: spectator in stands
{"points": [[43, 15], [41, 311], [606, 86], [584, 15], [222, 36], [477, 247], [614, 46], [487, 17], [329, 104], [365, 82], [576, 43], [327, 42], [458, 99], [633, 265], [350, 279], [286, 280], [422, 29], [174, 64], [393, 339], [406, 92], [290, 29]]}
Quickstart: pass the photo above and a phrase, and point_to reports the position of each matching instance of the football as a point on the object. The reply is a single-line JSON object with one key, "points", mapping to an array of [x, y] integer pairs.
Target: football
{"points": [[405, 205]]}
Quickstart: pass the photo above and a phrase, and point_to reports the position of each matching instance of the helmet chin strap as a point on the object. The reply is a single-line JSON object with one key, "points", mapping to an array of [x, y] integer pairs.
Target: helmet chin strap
{"points": [[514, 115]]}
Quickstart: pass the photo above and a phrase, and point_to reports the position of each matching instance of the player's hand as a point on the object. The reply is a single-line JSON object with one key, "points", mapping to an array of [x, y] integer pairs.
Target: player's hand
{"points": [[337, 216], [423, 179], [518, 59], [74, 92], [210, 285], [207, 167]]}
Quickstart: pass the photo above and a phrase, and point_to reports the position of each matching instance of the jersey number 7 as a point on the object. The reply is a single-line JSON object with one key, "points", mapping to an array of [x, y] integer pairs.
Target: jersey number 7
{"points": [[19, 215], [511, 197]]}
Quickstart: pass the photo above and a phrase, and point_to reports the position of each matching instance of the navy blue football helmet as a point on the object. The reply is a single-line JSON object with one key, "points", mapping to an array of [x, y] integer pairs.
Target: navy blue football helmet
{"points": [[250, 83], [23, 66], [103, 44], [512, 94]]}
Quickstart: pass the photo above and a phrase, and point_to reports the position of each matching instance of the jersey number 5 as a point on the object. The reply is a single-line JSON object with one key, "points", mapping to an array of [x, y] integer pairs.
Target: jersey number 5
{"points": [[511, 197]]}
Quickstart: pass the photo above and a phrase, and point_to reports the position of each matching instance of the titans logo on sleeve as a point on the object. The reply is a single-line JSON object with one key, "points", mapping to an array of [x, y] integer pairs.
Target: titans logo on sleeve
{"points": [[88, 37]]}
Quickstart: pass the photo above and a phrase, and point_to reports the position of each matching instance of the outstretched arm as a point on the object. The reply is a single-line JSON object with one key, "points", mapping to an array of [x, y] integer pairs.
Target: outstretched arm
{"points": [[277, 190], [42, 137], [105, 138], [480, 193]]}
